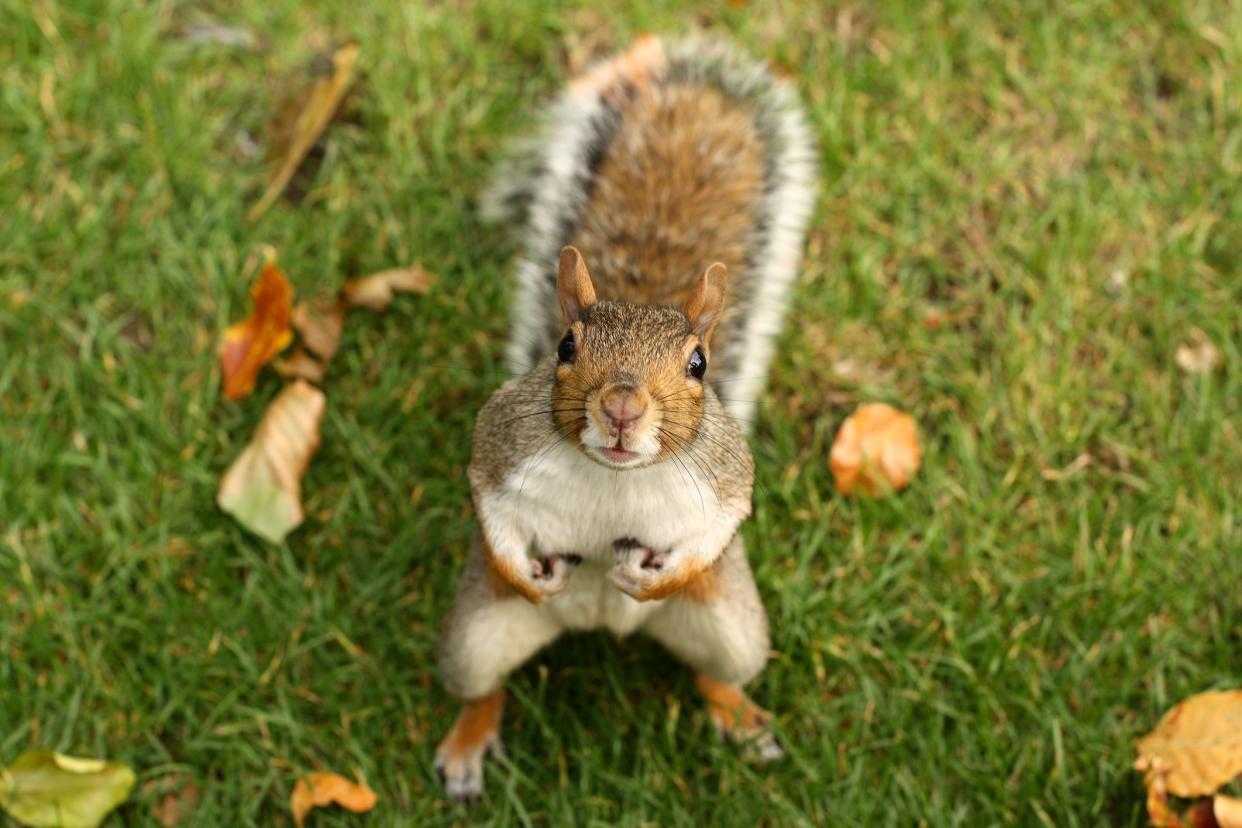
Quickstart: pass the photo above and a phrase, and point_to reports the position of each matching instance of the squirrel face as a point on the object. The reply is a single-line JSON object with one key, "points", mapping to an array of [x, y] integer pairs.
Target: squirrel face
{"points": [[629, 378]]}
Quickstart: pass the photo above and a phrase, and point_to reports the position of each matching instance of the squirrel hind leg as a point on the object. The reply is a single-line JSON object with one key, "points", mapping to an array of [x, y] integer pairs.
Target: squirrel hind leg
{"points": [[739, 719], [474, 736]]}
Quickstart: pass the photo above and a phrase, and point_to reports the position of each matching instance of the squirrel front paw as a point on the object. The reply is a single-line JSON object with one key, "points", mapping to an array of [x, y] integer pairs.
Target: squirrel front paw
{"points": [[536, 577], [646, 574], [550, 574]]}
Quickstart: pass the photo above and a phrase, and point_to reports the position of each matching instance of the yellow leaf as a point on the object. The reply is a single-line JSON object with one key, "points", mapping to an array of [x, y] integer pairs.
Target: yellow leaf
{"points": [[251, 343], [876, 451], [376, 291], [1197, 747], [263, 487], [1228, 811], [318, 790], [321, 102]]}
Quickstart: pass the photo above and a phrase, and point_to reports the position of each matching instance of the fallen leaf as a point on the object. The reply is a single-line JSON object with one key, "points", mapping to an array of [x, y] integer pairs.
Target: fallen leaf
{"points": [[1228, 811], [178, 798], [301, 365], [321, 102], [42, 788], [322, 789], [1194, 750], [262, 489], [376, 291], [251, 343], [1197, 747], [1201, 815], [876, 451], [320, 327], [1199, 356]]}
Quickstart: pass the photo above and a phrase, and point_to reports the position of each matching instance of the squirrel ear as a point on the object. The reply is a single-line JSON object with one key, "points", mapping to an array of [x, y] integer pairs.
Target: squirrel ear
{"points": [[706, 301], [573, 284]]}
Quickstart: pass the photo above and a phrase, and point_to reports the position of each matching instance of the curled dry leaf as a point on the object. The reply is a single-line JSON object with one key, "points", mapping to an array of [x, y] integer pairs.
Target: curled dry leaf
{"points": [[42, 788], [376, 291], [251, 343], [262, 489], [320, 327], [300, 365], [876, 451], [1199, 356], [320, 104], [1194, 750], [321, 789]]}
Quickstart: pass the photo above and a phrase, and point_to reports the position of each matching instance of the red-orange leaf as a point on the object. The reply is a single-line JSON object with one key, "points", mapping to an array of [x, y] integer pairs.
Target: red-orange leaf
{"points": [[320, 789], [251, 343]]}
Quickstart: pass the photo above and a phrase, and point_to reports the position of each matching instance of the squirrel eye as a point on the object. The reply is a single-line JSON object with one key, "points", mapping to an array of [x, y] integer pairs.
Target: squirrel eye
{"points": [[565, 351], [697, 366]]}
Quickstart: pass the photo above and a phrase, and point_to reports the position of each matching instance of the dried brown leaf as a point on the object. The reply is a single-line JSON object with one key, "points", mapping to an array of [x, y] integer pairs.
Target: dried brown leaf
{"points": [[251, 343], [262, 489], [300, 365], [320, 327], [178, 800], [321, 102], [318, 790], [876, 451], [377, 290], [1199, 356]]}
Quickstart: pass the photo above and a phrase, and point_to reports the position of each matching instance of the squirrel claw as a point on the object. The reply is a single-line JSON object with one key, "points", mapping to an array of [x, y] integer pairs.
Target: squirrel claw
{"points": [[640, 572], [550, 574], [462, 772]]}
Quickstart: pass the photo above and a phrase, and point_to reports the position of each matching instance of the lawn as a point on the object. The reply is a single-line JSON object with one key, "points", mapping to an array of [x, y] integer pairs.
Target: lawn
{"points": [[1022, 216]]}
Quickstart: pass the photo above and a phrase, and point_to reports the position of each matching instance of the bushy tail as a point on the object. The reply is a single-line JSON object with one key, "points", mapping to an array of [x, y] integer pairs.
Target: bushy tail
{"points": [[543, 186]]}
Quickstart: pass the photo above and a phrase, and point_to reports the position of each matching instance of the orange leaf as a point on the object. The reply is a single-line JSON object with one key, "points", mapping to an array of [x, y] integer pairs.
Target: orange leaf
{"points": [[251, 343], [876, 451], [321, 789], [263, 487], [321, 102], [376, 291]]}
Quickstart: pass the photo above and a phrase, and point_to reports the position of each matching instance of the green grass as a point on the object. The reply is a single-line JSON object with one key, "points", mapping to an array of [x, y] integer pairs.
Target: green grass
{"points": [[1060, 189]]}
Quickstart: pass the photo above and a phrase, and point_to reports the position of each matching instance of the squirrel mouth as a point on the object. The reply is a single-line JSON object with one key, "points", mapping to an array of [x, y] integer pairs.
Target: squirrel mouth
{"points": [[617, 454]]}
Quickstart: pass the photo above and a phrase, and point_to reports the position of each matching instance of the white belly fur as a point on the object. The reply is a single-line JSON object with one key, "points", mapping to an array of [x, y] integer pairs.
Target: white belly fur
{"points": [[565, 503]]}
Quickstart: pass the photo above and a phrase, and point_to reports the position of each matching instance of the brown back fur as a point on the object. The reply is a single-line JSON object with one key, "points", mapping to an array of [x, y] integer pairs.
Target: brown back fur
{"points": [[679, 187]]}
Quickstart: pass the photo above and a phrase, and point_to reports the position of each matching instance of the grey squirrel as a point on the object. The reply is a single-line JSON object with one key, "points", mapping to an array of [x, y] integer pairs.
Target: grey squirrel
{"points": [[608, 478]]}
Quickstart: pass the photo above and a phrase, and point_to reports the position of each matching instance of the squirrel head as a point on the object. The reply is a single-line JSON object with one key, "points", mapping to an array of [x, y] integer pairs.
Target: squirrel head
{"points": [[629, 378]]}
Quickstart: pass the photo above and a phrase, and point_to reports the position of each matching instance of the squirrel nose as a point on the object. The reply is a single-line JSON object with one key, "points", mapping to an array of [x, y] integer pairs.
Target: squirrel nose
{"points": [[623, 406]]}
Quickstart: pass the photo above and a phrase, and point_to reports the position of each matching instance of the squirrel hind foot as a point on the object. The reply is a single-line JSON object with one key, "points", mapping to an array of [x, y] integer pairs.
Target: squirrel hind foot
{"points": [[739, 720], [474, 737]]}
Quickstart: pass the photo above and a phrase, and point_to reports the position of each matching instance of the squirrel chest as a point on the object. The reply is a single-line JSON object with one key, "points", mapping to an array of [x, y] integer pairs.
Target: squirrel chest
{"points": [[567, 504]]}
